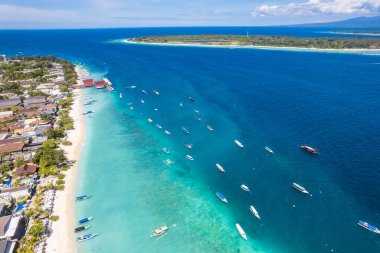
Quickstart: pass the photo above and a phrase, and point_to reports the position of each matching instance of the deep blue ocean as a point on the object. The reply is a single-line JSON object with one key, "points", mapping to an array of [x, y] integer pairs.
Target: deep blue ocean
{"points": [[280, 99]]}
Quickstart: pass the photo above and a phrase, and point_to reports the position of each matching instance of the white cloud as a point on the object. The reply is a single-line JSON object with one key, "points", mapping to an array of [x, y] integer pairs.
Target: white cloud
{"points": [[313, 7]]}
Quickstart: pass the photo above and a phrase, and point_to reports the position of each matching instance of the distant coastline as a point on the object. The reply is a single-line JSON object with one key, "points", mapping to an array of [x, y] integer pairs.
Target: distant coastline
{"points": [[283, 48]]}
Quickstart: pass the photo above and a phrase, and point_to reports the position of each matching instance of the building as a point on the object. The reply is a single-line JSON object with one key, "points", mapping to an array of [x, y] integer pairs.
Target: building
{"points": [[7, 103], [9, 227], [88, 82], [15, 192], [29, 112], [7, 246], [6, 114], [35, 102], [13, 145], [26, 170], [49, 109]]}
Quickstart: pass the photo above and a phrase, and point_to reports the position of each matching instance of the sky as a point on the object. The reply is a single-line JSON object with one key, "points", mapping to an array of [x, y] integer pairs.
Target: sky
{"points": [[49, 14]]}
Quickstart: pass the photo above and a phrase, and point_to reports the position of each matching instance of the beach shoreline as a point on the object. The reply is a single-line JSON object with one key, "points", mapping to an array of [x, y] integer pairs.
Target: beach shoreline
{"points": [[62, 237], [300, 49]]}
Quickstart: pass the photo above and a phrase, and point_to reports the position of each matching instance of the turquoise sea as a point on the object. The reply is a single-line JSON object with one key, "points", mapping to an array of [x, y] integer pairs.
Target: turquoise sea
{"points": [[280, 99]]}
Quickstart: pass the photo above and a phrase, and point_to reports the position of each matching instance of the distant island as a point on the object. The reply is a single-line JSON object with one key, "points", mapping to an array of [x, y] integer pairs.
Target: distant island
{"points": [[262, 41]]}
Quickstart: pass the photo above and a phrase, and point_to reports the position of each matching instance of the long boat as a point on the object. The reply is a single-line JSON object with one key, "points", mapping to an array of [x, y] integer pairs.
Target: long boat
{"points": [[165, 150], [309, 149], [369, 227], [269, 150], [221, 197], [167, 132], [189, 157], [82, 197], [86, 237], [241, 231], [192, 99], [245, 188], [210, 128], [185, 130], [300, 188], [159, 231], [219, 167], [81, 228], [84, 220], [239, 144], [254, 211]]}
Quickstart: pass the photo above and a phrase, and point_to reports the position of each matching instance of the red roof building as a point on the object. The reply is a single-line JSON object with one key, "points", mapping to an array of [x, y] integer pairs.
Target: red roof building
{"points": [[88, 82], [26, 169], [100, 83]]}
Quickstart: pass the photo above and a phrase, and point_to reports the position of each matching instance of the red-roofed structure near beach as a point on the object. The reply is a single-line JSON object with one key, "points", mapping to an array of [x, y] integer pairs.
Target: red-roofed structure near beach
{"points": [[88, 82]]}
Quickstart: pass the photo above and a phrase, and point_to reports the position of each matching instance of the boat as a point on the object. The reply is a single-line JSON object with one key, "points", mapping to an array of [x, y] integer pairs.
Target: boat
{"points": [[166, 150], [220, 167], [300, 188], [188, 145], [86, 237], [221, 197], [120, 95], [241, 231], [185, 130], [158, 126], [192, 99], [189, 157], [196, 111], [132, 108], [198, 118], [110, 88], [87, 112], [142, 101], [81, 228], [180, 104], [244, 187], [254, 211], [238, 143], [210, 128], [368, 227], [167, 132], [132, 87], [82, 197], [144, 92], [100, 87], [269, 150], [84, 220], [156, 92], [168, 162], [309, 149], [150, 120], [159, 231]]}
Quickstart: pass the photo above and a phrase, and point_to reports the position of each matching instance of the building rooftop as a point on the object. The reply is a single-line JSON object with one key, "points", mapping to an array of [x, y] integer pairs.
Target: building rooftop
{"points": [[5, 103], [26, 169], [4, 222]]}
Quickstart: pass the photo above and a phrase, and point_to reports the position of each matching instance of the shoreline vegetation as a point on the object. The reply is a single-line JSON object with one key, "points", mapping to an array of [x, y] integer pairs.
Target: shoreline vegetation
{"points": [[41, 139], [262, 42]]}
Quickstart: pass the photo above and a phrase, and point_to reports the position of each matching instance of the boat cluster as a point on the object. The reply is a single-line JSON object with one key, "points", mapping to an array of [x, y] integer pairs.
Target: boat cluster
{"points": [[82, 223], [239, 144]]}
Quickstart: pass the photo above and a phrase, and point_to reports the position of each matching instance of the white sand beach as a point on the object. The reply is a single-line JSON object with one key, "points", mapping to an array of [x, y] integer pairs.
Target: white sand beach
{"points": [[62, 237], [300, 49]]}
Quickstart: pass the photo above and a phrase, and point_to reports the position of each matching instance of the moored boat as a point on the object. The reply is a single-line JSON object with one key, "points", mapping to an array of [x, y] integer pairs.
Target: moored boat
{"points": [[158, 126], [86, 237], [300, 188], [254, 211], [82, 197], [150, 120], [221, 197], [198, 118], [189, 157], [192, 99], [241, 231], [156, 92], [167, 132], [159, 231], [142, 101], [81, 228], [269, 150], [185, 130], [180, 104], [309, 149], [245, 188], [369, 227], [188, 145], [84, 220], [168, 162], [210, 128], [120, 95], [144, 92], [166, 150], [239, 144], [219, 167]]}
